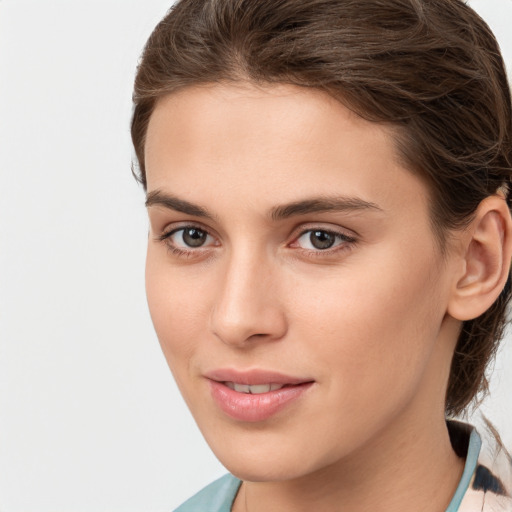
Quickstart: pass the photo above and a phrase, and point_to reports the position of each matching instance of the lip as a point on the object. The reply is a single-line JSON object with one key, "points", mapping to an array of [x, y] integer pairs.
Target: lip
{"points": [[253, 377], [247, 407]]}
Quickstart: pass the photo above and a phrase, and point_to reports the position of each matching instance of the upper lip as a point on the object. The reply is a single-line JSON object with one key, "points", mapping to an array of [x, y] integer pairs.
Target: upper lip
{"points": [[253, 377]]}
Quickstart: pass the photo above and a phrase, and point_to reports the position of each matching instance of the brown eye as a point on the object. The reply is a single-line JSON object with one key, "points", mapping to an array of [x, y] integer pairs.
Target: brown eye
{"points": [[318, 240], [193, 237], [188, 237], [322, 239]]}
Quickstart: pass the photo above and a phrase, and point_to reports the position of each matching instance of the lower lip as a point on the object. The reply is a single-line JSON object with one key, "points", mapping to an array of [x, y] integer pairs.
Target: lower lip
{"points": [[253, 408]]}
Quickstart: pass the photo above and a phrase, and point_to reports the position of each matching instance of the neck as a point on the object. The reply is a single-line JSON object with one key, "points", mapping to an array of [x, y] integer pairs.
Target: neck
{"points": [[419, 467], [410, 461]]}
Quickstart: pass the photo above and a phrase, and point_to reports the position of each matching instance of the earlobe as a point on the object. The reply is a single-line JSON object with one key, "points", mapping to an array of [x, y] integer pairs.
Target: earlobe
{"points": [[487, 250]]}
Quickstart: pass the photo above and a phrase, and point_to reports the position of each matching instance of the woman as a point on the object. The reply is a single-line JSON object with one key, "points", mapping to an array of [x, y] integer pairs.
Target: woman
{"points": [[330, 241]]}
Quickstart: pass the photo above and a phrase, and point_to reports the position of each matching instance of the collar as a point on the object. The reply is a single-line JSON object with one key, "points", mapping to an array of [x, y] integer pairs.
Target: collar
{"points": [[486, 484]]}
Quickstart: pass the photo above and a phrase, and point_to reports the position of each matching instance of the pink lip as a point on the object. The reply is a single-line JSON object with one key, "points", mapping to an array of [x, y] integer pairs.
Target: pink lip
{"points": [[253, 377], [258, 407]]}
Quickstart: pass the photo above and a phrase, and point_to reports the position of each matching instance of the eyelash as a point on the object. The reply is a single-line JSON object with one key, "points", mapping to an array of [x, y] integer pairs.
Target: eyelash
{"points": [[178, 251], [342, 240], [343, 243]]}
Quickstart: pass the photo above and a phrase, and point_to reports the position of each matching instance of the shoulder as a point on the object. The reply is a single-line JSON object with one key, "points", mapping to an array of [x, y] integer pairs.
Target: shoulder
{"points": [[216, 497]]}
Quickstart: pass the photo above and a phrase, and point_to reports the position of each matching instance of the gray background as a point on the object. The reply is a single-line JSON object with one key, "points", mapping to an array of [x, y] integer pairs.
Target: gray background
{"points": [[90, 419]]}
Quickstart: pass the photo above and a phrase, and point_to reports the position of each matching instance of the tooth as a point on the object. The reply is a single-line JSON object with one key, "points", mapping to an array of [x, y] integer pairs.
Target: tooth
{"points": [[242, 388], [255, 389], [259, 388]]}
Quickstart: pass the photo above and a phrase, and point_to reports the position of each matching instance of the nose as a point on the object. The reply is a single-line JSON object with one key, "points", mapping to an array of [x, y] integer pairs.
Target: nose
{"points": [[247, 306]]}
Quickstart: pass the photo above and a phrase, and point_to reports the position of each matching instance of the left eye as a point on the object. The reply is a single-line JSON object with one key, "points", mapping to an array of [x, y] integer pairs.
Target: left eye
{"points": [[320, 239], [189, 237]]}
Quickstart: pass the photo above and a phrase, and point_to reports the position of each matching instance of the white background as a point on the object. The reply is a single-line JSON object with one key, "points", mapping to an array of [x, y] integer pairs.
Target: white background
{"points": [[90, 419]]}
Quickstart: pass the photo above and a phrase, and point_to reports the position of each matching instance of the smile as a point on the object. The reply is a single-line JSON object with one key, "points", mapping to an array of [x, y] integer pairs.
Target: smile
{"points": [[257, 395], [256, 389]]}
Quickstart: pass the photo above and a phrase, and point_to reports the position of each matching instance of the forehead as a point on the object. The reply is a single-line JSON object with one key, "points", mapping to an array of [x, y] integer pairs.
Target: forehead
{"points": [[271, 144], [243, 108]]}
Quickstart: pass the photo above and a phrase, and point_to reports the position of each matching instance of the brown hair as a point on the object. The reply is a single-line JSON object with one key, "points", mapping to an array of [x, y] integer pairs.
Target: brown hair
{"points": [[431, 68]]}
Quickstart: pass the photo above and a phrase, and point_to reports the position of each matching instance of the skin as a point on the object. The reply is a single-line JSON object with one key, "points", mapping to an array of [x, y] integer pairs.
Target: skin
{"points": [[368, 319]]}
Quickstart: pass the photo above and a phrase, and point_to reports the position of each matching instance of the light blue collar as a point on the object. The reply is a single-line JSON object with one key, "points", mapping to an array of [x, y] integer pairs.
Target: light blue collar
{"points": [[475, 443]]}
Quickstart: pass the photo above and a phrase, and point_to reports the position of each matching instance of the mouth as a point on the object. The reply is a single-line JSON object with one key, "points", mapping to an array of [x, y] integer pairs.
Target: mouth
{"points": [[255, 396], [256, 389]]}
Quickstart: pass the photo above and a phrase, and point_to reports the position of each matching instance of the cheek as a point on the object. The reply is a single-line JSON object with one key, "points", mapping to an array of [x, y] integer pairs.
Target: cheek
{"points": [[372, 326], [176, 306]]}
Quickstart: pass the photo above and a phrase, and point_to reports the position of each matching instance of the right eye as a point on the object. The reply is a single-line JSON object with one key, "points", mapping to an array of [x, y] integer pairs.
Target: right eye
{"points": [[188, 237]]}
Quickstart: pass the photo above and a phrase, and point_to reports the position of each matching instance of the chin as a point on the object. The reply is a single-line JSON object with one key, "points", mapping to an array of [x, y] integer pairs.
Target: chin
{"points": [[272, 470], [255, 459]]}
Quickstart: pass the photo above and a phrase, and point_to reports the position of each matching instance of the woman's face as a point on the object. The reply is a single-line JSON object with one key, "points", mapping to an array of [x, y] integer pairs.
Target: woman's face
{"points": [[293, 278]]}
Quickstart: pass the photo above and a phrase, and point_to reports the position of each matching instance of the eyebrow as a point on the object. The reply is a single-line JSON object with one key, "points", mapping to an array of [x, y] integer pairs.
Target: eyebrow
{"points": [[281, 212], [158, 198], [322, 204]]}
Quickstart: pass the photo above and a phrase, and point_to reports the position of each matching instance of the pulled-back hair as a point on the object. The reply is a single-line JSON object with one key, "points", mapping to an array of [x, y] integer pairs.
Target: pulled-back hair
{"points": [[431, 69]]}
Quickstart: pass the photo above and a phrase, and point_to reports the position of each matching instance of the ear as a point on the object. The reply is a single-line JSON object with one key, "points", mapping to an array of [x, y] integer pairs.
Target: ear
{"points": [[485, 260]]}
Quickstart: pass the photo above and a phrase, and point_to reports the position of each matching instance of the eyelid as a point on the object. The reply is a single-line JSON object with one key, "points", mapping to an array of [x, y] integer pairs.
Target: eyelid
{"points": [[183, 250], [346, 240], [328, 228], [170, 229], [189, 247]]}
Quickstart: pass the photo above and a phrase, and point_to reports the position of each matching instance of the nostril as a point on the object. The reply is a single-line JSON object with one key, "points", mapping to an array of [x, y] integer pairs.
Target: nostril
{"points": [[243, 310]]}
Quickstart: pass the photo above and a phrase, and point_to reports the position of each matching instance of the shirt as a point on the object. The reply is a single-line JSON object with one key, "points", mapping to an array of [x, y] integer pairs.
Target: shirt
{"points": [[485, 485]]}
